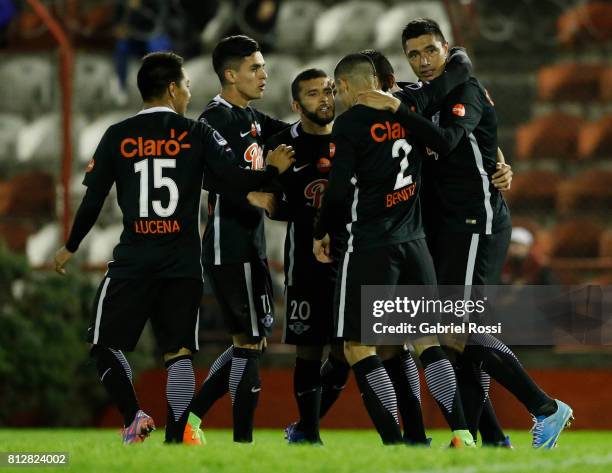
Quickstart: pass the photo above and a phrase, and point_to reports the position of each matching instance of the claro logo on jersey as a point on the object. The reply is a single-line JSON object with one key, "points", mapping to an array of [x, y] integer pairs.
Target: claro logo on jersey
{"points": [[314, 192], [381, 132], [254, 155], [143, 148]]}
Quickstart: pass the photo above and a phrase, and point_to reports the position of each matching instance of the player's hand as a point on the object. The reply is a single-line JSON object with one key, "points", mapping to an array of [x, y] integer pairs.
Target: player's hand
{"points": [[379, 100], [281, 158], [502, 179], [61, 258], [322, 249], [263, 200]]}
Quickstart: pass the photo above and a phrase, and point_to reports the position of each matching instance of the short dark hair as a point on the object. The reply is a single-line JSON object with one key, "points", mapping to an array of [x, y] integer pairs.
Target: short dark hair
{"points": [[308, 74], [230, 51], [384, 69], [156, 72], [419, 27], [349, 64]]}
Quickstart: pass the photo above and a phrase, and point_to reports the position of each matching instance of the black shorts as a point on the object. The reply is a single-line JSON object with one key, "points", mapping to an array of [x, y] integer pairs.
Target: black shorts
{"points": [[309, 315], [407, 263], [469, 259], [244, 293], [123, 306]]}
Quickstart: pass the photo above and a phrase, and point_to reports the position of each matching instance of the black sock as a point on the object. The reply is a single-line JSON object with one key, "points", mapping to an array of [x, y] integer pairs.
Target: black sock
{"points": [[473, 394], [244, 385], [307, 390], [111, 365], [379, 398], [405, 378], [490, 430], [179, 394], [215, 385], [442, 385], [503, 366], [334, 375]]}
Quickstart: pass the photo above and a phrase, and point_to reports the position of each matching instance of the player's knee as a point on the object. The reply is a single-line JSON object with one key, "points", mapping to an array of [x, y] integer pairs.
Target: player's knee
{"points": [[249, 342], [355, 352], [423, 344], [388, 352], [180, 353], [309, 352]]}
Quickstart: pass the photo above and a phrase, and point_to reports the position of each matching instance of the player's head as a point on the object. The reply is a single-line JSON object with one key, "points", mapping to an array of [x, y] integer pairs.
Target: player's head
{"points": [[239, 64], [161, 78], [354, 73], [425, 47], [384, 69], [313, 96]]}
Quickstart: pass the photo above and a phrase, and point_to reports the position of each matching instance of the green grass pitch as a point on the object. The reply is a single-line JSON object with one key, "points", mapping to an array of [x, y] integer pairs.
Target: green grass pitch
{"points": [[344, 451]]}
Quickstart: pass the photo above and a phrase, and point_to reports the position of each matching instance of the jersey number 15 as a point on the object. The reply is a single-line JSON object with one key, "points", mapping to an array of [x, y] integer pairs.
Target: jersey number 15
{"points": [[159, 181]]}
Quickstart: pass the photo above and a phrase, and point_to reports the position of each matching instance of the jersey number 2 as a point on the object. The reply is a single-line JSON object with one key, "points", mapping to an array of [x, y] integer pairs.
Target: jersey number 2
{"points": [[159, 181], [402, 147]]}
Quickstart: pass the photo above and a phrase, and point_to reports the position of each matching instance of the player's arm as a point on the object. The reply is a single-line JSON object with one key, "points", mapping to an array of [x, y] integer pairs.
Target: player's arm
{"points": [[331, 216], [270, 126], [432, 94], [99, 179], [229, 177]]}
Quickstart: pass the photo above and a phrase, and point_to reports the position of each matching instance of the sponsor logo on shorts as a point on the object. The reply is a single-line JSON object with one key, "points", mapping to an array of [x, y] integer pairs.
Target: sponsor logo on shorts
{"points": [[298, 328]]}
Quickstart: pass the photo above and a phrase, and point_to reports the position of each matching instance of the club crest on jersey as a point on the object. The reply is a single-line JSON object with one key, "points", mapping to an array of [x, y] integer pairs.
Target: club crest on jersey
{"points": [[314, 192], [90, 165], [254, 155], [144, 148], [459, 110], [255, 129], [324, 165], [332, 150]]}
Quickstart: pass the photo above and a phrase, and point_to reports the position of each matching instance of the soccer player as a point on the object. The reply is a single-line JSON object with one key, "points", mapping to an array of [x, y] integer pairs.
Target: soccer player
{"points": [[309, 307], [386, 242], [469, 223], [157, 160], [473, 383], [234, 248]]}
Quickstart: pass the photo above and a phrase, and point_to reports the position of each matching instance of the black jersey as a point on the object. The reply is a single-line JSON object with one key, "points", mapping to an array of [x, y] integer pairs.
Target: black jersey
{"points": [[376, 154], [460, 196], [157, 160], [235, 230], [303, 187]]}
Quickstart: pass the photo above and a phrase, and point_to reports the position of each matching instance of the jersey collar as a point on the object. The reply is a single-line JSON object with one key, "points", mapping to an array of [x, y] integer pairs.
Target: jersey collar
{"points": [[155, 109], [220, 99]]}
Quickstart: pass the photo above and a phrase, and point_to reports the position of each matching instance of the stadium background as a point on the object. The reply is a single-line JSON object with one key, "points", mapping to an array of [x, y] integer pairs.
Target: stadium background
{"points": [[546, 64]]}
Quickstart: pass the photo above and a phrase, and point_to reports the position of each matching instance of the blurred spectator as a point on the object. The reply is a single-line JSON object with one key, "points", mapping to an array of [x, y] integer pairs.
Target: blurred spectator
{"points": [[523, 264], [7, 12], [141, 29], [257, 19], [186, 20]]}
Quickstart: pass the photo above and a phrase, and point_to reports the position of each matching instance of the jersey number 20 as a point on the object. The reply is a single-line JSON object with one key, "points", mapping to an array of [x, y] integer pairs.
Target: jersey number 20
{"points": [[402, 147], [159, 181]]}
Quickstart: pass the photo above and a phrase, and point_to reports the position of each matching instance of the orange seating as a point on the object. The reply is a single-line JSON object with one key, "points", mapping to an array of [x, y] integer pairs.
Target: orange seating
{"points": [[589, 190], [586, 23], [605, 244], [595, 139], [572, 82], [577, 238], [550, 136], [28, 195], [15, 235], [605, 84], [533, 189]]}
